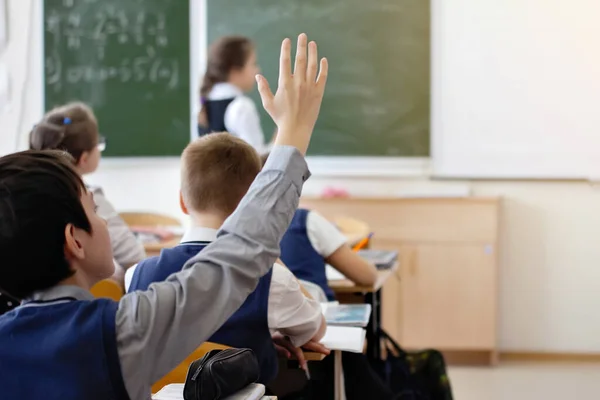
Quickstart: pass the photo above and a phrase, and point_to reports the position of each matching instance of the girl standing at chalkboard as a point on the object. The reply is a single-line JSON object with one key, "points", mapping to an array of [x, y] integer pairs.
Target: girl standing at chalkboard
{"points": [[74, 129], [230, 72]]}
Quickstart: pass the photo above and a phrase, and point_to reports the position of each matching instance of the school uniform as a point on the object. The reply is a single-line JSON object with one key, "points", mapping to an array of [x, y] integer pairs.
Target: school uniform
{"points": [[277, 303], [229, 109], [63, 344], [308, 242]]}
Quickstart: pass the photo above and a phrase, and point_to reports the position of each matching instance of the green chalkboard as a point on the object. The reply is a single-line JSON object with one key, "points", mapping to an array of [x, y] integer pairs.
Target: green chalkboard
{"points": [[129, 60], [377, 101]]}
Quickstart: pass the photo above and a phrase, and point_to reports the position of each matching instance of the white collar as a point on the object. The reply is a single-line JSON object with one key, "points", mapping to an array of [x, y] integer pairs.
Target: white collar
{"points": [[224, 90], [199, 234]]}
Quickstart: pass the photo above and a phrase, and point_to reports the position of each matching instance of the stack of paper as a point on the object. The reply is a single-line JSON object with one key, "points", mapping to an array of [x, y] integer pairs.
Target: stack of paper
{"points": [[344, 338], [174, 391]]}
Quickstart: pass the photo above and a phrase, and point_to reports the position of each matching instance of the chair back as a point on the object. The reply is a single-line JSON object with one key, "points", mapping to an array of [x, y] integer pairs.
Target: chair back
{"points": [[107, 288], [179, 373], [149, 219]]}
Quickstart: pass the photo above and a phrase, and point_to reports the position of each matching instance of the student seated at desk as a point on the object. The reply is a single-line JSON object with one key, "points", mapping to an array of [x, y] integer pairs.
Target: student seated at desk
{"points": [[61, 343], [74, 129], [216, 172], [311, 242], [308, 245]]}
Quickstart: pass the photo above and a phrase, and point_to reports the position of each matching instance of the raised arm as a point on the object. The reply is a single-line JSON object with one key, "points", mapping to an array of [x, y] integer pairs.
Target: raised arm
{"points": [[158, 328]]}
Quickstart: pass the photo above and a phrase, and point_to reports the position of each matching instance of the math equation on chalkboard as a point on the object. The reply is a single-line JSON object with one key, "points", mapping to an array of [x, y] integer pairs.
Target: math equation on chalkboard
{"points": [[95, 41], [130, 61]]}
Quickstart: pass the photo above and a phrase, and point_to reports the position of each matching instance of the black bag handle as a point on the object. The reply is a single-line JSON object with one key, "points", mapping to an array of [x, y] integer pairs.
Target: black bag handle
{"points": [[395, 346]]}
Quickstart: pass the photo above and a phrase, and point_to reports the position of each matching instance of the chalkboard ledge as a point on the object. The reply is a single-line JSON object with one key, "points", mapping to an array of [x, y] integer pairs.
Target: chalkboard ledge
{"points": [[392, 167]]}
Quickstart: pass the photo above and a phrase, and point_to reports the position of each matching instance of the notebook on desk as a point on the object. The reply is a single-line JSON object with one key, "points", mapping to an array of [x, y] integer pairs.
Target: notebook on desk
{"points": [[346, 314], [383, 259], [174, 391], [345, 338]]}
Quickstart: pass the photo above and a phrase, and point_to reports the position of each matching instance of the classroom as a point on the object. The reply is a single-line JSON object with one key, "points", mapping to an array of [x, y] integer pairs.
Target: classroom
{"points": [[456, 137]]}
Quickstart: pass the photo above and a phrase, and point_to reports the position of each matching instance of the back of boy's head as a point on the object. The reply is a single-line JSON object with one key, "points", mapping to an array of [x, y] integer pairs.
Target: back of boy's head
{"points": [[72, 128], [216, 172], [40, 193]]}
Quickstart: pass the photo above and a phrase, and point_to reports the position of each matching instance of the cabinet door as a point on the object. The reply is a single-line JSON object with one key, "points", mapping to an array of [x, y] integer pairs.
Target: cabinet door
{"points": [[391, 299], [448, 297]]}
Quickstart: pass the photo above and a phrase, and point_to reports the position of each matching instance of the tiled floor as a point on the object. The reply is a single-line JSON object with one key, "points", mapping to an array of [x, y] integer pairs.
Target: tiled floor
{"points": [[527, 382]]}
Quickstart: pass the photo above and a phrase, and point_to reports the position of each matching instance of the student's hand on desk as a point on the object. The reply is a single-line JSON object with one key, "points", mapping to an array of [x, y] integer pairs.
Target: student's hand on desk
{"points": [[286, 349], [316, 347], [295, 106]]}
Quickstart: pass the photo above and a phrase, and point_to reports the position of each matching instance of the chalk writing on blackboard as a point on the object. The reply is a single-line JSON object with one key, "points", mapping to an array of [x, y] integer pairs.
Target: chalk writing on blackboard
{"points": [[87, 37]]}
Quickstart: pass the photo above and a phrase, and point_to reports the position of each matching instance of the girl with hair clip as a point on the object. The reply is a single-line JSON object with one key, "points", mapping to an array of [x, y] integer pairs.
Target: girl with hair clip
{"points": [[74, 129], [230, 73]]}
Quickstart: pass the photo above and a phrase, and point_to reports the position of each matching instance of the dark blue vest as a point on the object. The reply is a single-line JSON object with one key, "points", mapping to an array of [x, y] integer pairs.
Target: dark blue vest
{"points": [[300, 257], [247, 328], [61, 350], [215, 113]]}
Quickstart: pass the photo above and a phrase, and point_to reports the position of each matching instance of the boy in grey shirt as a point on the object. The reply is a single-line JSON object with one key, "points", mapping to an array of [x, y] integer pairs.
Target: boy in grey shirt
{"points": [[63, 344]]}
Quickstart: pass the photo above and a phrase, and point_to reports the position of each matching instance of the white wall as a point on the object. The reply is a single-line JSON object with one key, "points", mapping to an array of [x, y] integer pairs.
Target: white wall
{"points": [[549, 256]]}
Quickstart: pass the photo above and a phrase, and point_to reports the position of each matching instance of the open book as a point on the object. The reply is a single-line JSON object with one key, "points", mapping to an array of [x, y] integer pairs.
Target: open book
{"points": [[174, 391]]}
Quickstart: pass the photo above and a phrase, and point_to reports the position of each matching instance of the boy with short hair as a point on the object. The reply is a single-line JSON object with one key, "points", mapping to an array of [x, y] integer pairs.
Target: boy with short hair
{"points": [[63, 344], [216, 172]]}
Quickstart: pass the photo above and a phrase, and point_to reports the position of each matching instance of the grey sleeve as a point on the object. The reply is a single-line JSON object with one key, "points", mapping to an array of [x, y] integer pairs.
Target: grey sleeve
{"points": [[158, 328], [127, 251]]}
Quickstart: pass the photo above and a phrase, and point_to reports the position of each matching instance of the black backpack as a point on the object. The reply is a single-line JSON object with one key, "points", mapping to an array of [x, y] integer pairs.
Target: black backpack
{"points": [[417, 375]]}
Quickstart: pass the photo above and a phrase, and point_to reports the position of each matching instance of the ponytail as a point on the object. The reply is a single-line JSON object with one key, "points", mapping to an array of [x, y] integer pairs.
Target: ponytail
{"points": [[47, 135], [226, 54], [72, 128]]}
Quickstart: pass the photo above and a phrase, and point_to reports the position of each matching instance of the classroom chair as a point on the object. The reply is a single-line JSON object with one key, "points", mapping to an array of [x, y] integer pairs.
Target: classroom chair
{"points": [[179, 373], [107, 288], [148, 219]]}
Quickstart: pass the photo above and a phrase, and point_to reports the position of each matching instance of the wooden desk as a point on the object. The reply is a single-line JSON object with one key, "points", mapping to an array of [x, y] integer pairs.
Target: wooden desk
{"points": [[154, 248], [347, 286], [312, 356], [372, 297]]}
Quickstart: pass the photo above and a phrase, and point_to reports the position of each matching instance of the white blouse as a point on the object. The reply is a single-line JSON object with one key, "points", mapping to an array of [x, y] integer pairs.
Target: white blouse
{"points": [[241, 117]]}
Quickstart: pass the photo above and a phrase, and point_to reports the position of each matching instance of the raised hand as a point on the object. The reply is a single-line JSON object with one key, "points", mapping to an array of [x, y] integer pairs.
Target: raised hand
{"points": [[296, 104]]}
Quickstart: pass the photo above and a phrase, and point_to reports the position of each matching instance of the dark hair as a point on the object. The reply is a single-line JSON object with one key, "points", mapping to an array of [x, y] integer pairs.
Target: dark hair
{"points": [[224, 55], [72, 128], [216, 172], [40, 193]]}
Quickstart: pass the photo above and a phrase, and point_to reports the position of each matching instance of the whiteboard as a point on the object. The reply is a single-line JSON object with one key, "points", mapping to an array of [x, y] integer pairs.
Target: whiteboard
{"points": [[516, 89]]}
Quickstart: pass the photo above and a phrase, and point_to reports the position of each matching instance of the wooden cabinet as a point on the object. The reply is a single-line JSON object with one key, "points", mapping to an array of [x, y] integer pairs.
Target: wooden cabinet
{"points": [[448, 297], [445, 293]]}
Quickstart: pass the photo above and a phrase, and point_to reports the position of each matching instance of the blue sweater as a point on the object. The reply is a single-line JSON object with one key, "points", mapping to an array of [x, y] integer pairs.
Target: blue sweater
{"points": [[246, 328], [300, 256], [44, 342]]}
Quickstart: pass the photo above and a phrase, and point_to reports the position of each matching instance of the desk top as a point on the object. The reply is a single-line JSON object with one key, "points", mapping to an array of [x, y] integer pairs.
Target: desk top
{"points": [[347, 286], [312, 356], [153, 248]]}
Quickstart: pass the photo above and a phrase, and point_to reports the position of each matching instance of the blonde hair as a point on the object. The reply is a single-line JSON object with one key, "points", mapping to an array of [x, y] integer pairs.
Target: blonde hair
{"points": [[216, 172]]}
